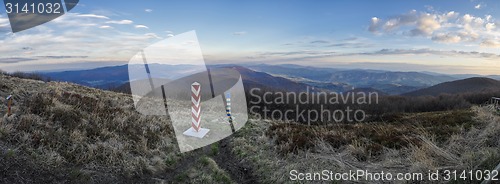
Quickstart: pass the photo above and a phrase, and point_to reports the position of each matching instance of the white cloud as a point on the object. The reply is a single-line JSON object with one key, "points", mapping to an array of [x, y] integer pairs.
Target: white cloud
{"points": [[148, 10], [152, 35], [428, 51], [141, 27], [78, 20], [381, 52], [426, 25], [374, 24], [170, 35], [448, 16], [468, 36], [446, 38], [478, 6], [105, 27], [92, 16], [490, 26], [488, 18], [423, 23], [447, 27], [71, 35], [470, 22], [490, 44], [120, 22], [4, 23]]}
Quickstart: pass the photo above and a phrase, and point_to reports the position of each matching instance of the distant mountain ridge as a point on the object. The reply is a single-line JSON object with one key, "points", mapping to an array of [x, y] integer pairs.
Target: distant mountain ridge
{"points": [[386, 81], [282, 77], [254, 79], [103, 77], [113, 76], [470, 85], [251, 79]]}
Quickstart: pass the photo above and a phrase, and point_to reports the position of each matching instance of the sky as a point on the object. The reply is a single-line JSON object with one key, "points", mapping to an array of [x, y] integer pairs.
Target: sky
{"points": [[445, 36]]}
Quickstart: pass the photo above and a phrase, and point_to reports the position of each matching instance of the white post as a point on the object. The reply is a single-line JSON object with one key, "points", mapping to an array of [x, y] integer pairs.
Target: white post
{"points": [[228, 106], [9, 104]]}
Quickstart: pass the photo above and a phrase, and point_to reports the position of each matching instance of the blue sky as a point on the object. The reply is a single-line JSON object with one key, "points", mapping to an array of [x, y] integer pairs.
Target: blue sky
{"points": [[446, 36]]}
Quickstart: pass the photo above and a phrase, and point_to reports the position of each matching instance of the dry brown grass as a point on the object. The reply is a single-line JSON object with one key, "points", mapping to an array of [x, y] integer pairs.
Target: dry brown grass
{"points": [[401, 132], [62, 124], [461, 140]]}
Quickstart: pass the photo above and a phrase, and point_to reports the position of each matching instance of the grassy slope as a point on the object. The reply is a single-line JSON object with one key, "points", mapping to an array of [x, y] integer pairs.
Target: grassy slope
{"points": [[62, 132], [460, 140]]}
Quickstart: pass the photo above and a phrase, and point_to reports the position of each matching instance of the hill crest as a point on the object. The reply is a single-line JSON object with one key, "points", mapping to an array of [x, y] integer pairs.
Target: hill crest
{"points": [[469, 85]]}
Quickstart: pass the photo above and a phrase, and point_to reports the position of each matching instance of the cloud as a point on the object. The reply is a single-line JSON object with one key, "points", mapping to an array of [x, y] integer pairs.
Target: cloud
{"points": [[471, 23], [478, 6], [350, 39], [446, 38], [4, 22], [374, 25], [148, 10], [71, 20], [141, 27], [490, 43], [351, 42], [92, 16], [105, 27], [15, 60], [120, 22], [351, 45], [152, 35], [239, 33], [426, 25], [453, 53], [302, 53], [490, 26], [422, 23], [447, 27], [319, 42], [61, 57], [71, 34]]}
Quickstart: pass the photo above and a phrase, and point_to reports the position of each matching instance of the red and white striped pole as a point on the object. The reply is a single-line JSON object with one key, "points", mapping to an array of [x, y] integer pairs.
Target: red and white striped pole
{"points": [[196, 106], [196, 130]]}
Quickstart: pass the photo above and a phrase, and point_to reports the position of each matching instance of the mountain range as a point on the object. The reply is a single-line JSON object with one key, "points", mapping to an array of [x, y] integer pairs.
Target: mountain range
{"points": [[288, 77]]}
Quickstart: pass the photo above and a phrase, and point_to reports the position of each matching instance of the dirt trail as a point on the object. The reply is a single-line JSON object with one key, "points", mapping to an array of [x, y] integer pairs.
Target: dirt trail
{"points": [[226, 160]]}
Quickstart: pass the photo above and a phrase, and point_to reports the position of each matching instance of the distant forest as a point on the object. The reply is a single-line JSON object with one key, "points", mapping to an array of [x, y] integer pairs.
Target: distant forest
{"points": [[388, 107]]}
